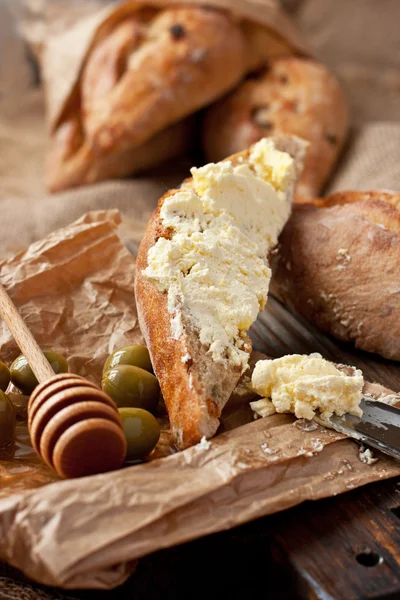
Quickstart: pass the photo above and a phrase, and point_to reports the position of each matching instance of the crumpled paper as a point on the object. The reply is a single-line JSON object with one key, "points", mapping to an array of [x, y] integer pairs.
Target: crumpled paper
{"points": [[75, 291]]}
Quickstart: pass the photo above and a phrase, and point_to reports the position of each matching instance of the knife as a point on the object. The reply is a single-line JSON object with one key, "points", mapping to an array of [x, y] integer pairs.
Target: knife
{"points": [[379, 426]]}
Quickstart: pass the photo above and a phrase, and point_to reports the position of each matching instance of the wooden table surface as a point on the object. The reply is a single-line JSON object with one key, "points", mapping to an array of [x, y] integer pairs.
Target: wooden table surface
{"points": [[341, 548]]}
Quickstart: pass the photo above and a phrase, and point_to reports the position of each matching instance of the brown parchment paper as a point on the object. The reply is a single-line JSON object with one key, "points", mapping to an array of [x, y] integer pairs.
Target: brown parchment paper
{"points": [[75, 291]]}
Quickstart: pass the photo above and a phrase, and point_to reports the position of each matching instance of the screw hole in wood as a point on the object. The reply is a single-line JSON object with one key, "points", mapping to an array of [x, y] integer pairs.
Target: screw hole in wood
{"points": [[368, 558], [396, 511]]}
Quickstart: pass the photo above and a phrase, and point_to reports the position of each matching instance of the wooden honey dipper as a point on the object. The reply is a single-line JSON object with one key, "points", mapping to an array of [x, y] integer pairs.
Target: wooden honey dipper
{"points": [[74, 426]]}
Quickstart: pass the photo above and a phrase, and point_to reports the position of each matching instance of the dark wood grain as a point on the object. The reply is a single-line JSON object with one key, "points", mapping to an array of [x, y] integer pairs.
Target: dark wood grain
{"points": [[346, 547]]}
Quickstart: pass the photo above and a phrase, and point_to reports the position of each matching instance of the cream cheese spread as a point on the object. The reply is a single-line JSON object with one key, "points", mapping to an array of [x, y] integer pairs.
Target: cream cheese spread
{"points": [[303, 384], [214, 267]]}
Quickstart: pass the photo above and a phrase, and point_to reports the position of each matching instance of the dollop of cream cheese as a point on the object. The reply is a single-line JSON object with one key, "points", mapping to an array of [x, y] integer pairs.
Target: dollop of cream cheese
{"points": [[304, 384], [214, 267]]}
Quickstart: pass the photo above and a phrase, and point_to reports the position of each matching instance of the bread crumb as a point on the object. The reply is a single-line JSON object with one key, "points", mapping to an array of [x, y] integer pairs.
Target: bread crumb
{"points": [[305, 425], [317, 445], [346, 321], [343, 254], [264, 447], [243, 388], [263, 407], [204, 444], [242, 465], [198, 54], [366, 456], [176, 325], [325, 296], [347, 464]]}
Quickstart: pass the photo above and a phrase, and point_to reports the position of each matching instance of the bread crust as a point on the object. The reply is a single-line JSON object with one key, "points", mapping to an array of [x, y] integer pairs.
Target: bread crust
{"points": [[192, 413], [73, 162], [292, 96], [166, 65], [338, 266]]}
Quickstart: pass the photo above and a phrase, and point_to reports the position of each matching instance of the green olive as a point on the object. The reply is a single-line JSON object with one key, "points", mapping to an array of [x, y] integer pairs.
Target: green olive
{"points": [[141, 430], [4, 376], [22, 375], [135, 355], [7, 420], [131, 386], [20, 403]]}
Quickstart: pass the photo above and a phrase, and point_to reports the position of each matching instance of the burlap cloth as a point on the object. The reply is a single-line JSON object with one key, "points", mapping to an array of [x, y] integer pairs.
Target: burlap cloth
{"points": [[359, 40]]}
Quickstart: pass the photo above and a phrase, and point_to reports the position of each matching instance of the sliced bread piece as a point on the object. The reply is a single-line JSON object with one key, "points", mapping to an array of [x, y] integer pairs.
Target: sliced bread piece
{"points": [[202, 277]]}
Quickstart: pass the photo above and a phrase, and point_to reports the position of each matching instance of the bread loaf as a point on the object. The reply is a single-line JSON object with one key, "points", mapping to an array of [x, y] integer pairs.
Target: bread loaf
{"points": [[202, 277], [292, 96], [338, 266], [142, 76]]}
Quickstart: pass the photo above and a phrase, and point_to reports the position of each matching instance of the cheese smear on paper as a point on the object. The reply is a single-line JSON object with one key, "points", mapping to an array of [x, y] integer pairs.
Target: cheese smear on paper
{"points": [[214, 267], [303, 384]]}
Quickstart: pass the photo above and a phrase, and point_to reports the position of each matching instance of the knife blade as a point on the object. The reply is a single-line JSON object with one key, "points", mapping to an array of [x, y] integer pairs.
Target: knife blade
{"points": [[379, 426]]}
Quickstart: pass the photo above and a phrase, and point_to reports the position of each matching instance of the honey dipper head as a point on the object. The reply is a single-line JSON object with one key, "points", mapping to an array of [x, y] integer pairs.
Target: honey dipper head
{"points": [[75, 427]]}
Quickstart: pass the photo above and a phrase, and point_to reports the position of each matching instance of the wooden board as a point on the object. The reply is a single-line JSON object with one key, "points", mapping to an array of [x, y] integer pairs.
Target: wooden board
{"points": [[341, 548]]}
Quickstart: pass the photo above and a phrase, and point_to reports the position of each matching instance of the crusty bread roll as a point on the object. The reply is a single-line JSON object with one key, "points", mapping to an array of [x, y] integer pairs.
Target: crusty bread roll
{"points": [[73, 161], [155, 68], [338, 266], [143, 75], [202, 277], [291, 96]]}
